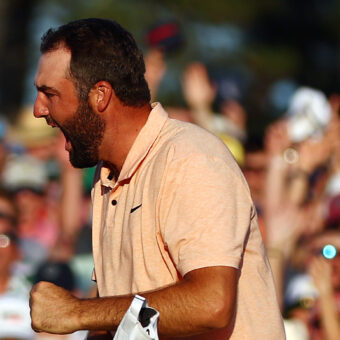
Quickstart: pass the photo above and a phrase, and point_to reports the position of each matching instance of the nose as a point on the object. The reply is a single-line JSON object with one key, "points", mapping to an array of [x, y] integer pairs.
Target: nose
{"points": [[40, 109]]}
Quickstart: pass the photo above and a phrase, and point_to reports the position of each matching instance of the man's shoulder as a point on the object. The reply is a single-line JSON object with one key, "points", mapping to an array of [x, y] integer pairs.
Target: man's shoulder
{"points": [[187, 139]]}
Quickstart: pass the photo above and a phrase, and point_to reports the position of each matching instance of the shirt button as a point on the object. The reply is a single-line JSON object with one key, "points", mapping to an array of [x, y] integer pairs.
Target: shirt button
{"points": [[113, 202]]}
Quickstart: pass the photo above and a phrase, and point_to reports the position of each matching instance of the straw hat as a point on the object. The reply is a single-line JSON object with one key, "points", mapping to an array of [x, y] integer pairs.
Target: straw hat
{"points": [[30, 131]]}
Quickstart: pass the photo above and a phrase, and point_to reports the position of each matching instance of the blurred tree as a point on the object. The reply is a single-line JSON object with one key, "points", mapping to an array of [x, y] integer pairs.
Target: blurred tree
{"points": [[15, 17], [269, 40]]}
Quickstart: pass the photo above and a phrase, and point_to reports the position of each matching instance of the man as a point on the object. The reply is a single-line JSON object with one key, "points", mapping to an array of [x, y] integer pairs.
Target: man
{"points": [[172, 215]]}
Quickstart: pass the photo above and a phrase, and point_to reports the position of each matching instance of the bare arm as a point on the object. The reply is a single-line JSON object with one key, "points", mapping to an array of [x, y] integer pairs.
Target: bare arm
{"points": [[97, 335], [70, 205], [276, 141], [199, 93], [155, 66], [204, 300], [71, 181]]}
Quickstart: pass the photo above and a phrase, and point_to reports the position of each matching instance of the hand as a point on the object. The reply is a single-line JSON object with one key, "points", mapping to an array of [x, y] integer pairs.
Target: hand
{"points": [[53, 309], [276, 138], [155, 66], [197, 88], [313, 153]]}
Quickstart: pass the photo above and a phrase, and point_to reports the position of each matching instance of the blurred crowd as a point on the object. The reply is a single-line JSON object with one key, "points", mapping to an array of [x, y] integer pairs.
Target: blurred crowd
{"points": [[45, 221], [293, 172]]}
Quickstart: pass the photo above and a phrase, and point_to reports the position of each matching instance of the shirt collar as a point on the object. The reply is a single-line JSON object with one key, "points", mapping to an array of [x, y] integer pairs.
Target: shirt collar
{"points": [[140, 147]]}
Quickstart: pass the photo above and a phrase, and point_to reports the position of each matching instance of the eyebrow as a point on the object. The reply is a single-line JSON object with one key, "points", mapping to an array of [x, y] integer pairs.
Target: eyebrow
{"points": [[44, 88]]}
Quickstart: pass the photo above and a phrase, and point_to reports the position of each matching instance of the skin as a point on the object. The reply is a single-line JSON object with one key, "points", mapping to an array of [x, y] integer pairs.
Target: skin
{"points": [[203, 300]]}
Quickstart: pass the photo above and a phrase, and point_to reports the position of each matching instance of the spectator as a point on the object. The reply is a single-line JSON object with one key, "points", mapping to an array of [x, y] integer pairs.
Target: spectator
{"points": [[15, 322], [12, 282], [26, 177]]}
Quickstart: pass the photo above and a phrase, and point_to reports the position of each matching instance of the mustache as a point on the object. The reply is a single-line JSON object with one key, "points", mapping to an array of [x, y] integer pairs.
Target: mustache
{"points": [[50, 121]]}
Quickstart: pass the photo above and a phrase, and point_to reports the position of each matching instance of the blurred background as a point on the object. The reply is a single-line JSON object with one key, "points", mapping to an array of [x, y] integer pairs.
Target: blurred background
{"points": [[257, 46], [263, 75]]}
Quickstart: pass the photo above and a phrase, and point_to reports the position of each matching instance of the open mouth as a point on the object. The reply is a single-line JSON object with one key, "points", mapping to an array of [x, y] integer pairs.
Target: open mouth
{"points": [[68, 144], [51, 122]]}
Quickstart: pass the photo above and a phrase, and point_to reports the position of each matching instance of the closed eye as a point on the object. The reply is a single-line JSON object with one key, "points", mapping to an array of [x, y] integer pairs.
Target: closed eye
{"points": [[49, 92]]}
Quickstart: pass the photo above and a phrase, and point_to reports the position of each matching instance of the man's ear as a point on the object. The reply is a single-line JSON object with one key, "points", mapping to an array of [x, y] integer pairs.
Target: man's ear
{"points": [[100, 95]]}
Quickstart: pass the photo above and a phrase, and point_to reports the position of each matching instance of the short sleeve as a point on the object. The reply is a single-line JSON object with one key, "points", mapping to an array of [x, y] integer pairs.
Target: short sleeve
{"points": [[205, 214]]}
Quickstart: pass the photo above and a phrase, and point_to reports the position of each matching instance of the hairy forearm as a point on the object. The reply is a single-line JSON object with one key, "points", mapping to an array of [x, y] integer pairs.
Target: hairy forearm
{"points": [[186, 308], [203, 300]]}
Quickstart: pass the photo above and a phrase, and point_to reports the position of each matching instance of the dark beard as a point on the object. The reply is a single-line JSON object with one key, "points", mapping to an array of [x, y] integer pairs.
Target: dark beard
{"points": [[85, 132]]}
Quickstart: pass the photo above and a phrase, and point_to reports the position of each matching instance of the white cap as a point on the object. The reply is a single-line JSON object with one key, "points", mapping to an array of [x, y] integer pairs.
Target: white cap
{"points": [[308, 113], [333, 185], [24, 171], [15, 320], [300, 287]]}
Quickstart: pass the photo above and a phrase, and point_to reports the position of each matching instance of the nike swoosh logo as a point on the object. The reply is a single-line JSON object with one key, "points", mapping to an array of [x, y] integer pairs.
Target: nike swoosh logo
{"points": [[135, 208]]}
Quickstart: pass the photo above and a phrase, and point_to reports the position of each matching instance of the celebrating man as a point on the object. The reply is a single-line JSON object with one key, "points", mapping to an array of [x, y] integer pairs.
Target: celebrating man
{"points": [[173, 219]]}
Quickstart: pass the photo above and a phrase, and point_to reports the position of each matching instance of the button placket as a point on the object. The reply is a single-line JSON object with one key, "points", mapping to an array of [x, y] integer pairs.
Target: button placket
{"points": [[114, 196]]}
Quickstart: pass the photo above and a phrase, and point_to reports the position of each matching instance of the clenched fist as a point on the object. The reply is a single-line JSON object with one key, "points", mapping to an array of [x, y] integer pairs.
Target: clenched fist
{"points": [[54, 309]]}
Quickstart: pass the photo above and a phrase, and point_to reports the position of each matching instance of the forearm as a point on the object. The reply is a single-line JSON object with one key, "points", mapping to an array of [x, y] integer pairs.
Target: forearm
{"points": [[203, 300], [70, 214], [186, 308], [203, 116], [277, 263], [275, 185], [298, 187]]}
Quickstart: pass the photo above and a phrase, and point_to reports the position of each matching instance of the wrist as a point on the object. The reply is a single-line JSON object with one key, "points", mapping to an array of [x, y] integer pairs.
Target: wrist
{"points": [[326, 292], [81, 311], [300, 173]]}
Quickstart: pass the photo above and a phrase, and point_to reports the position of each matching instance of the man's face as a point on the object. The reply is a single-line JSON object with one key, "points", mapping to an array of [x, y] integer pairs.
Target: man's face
{"points": [[57, 101]]}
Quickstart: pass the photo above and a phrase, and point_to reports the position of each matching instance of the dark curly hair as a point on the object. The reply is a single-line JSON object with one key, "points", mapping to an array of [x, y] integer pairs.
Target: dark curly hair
{"points": [[101, 50]]}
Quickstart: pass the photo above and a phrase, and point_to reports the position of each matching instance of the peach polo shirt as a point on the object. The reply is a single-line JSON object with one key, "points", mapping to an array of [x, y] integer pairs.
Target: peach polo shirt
{"points": [[181, 203]]}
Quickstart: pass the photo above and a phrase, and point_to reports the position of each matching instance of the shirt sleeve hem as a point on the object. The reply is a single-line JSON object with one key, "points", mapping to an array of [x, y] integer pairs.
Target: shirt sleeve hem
{"points": [[185, 268]]}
